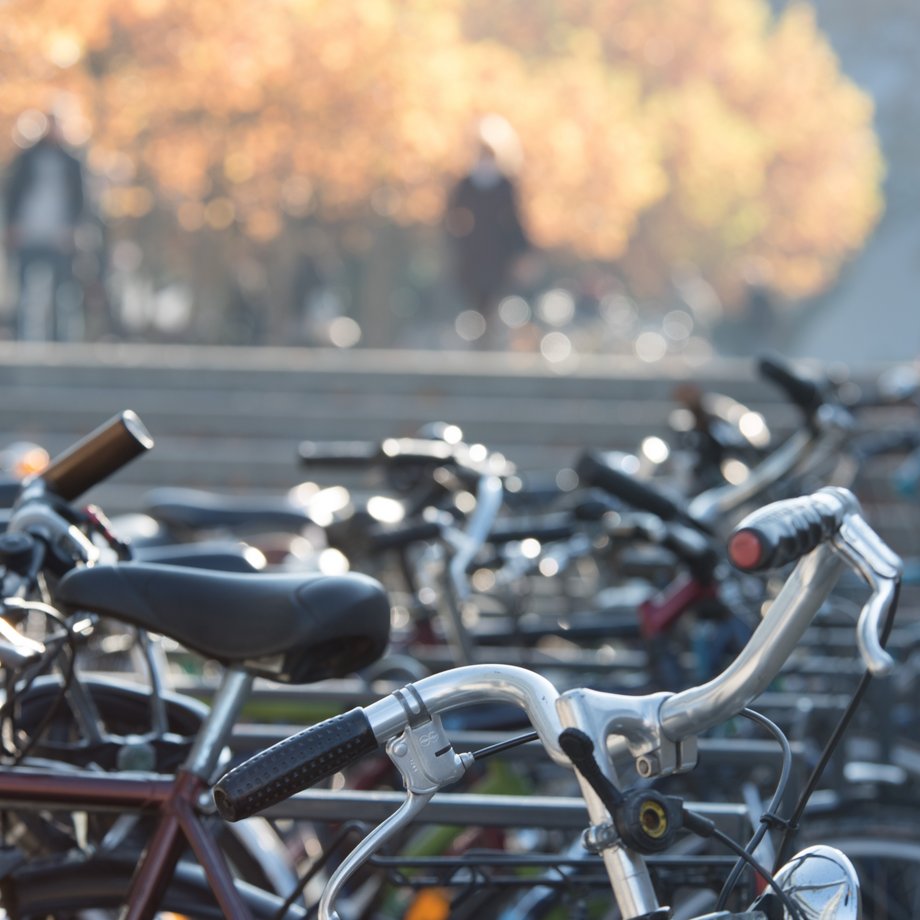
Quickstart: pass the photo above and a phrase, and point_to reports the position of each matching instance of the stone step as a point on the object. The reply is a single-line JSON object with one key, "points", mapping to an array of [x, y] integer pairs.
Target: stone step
{"points": [[230, 419]]}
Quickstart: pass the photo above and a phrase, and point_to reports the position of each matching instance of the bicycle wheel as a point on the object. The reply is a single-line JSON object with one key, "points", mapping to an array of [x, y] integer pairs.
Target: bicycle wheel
{"points": [[884, 846], [96, 888]]}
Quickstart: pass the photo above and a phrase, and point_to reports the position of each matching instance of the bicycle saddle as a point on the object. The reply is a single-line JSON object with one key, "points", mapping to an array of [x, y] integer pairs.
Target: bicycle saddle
{"points": [[290, 628], [196, 509]]}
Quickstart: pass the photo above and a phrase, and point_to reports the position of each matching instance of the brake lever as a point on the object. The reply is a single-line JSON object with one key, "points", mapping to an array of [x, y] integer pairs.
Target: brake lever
{"points": [[404, 815], [881, 569], [427, 761]]}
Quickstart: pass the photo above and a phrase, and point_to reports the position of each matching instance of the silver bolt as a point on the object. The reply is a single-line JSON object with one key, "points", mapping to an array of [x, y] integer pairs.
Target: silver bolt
{"points": [[400, 749]]}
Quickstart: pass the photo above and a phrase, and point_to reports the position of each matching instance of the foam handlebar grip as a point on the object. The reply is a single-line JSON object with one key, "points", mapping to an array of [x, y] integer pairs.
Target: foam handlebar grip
{"points": [[404, 535], [293, 764], [803, 391], [592, 469], [97, 456], [783, 532]]}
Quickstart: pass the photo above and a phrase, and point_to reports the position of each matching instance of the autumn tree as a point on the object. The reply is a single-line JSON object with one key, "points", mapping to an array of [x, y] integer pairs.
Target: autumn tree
{"points": [[655, 132], [765, 151]]}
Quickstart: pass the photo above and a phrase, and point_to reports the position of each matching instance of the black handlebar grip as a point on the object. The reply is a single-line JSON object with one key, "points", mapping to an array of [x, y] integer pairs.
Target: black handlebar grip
{"points": [[803, 391], [592, 469], [293, 764], [406, 535], [338, 453], [782, 532], [97, 456], [548, 529]]}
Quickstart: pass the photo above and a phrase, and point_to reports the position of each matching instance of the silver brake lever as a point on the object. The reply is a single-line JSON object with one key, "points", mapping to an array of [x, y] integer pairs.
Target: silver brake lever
{"points": [[427, 761], [406, 812], [881, 569]]}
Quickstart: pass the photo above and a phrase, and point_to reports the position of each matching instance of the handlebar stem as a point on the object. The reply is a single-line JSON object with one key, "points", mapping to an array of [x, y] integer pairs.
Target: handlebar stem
{"points": [[599, 715]]}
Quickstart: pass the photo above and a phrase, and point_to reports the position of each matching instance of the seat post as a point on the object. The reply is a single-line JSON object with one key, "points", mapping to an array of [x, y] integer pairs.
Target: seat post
{"points": [[218, 726]]}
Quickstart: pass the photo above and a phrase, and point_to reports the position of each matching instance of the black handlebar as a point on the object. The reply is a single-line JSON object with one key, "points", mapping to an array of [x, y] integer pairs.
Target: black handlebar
{"points": [[387, 538], [294, 764], [782, 533], [97, 456], [805, 392], [338, 453], [593, 470]]}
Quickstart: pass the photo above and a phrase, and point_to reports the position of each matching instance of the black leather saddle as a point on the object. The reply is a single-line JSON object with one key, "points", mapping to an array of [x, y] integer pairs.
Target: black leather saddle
{"points": [[291, 628]]}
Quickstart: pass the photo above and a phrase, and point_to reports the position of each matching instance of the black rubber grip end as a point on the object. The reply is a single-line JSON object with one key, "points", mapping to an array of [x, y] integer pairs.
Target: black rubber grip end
{"points": [[782, 533], [387, 538], [296, 763]]}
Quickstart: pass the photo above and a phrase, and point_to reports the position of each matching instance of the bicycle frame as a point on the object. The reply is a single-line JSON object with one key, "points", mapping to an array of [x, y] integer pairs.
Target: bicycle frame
{"points": [[176, 801]]}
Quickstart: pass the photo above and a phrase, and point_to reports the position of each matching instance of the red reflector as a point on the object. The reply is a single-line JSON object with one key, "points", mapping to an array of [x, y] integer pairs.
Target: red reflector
{"points": [[744, 549]]}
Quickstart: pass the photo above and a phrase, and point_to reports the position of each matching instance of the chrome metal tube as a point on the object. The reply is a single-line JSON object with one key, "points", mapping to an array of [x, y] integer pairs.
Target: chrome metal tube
{"points": [[218, 726], [476, 684], [720, 500], [698, 708]]}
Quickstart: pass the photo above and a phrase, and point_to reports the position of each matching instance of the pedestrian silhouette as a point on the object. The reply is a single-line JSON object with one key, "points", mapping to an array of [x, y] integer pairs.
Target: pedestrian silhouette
{"points": [[44, 202], [484, 228]]}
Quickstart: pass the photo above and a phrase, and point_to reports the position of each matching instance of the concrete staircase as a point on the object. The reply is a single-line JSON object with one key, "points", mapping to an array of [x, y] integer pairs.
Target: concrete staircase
{"points": [[231, 419]]}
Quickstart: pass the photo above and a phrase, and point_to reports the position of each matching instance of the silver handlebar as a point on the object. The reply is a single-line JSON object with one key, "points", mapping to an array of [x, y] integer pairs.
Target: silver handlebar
{"points": [[833, 426], [659, 730]]}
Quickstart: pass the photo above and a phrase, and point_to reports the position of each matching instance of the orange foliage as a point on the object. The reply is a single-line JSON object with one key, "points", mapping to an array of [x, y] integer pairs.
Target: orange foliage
{"points": [[653, 130]]}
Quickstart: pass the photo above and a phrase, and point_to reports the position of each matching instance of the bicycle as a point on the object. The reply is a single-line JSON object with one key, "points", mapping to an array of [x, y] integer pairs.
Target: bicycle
{"points": [[654, 734], [308, 628]]}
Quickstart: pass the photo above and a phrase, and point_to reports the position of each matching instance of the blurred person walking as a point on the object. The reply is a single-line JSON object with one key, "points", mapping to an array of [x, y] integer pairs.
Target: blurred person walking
{"points": [[44, 201], [487, 238]]}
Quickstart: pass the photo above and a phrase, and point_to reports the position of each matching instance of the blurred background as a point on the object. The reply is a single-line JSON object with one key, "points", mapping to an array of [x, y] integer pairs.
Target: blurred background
{"points": [[645, 180]]}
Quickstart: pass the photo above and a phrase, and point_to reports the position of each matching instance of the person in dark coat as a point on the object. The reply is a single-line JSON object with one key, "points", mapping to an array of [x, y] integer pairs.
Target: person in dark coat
{"points": [[44, 202], [483, 224]]}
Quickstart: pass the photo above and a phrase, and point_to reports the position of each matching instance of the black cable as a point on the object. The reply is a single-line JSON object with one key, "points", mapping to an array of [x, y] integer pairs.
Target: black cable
{"points": [[793, 821], [791, 907], [705, 828], [19, 753], [7, 729], [504, 745], [350, 827], [775, 802]]}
